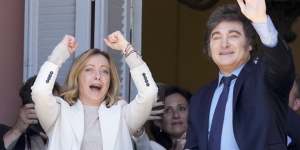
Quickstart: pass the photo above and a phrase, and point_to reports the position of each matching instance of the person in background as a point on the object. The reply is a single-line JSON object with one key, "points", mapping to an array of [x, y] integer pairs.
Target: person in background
{"points": [[172, 123], [27, 133]]}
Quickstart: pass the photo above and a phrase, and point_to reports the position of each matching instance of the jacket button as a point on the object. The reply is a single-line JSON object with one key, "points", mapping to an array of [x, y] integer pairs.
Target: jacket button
{"points": [[49, 76], [146, 79]]}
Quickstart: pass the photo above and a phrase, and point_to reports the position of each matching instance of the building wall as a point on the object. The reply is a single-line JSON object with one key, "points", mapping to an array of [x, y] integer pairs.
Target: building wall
{"points": [[160, 38], [295, 45], [11, 58], [172, 41]]}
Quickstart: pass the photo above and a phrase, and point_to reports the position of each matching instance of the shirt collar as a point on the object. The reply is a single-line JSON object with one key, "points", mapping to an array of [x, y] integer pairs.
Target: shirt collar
{"points": [[235, 72]]}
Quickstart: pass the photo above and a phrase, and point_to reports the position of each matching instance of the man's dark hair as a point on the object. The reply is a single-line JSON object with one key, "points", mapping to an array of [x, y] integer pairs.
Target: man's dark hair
{"points": [[25, 91], [229, 12]]}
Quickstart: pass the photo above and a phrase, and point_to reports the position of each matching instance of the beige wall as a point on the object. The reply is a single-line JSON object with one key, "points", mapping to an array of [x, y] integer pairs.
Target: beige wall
{"points": [[159, 38], [194, 67], [11, 42], [172, 41], [296, 45]]}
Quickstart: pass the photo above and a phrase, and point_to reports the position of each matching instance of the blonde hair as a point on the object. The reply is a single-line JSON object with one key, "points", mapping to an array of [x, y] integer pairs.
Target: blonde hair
{"points": [[71, 92]]}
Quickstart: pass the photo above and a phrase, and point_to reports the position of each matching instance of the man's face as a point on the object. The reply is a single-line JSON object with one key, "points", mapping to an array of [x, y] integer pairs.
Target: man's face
{"points": [[228, 46]]}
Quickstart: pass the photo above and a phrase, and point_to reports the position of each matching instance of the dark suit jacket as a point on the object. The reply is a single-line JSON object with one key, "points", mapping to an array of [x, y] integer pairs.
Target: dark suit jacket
{"points": [[260, 103], [294, 129], [20, 145]]}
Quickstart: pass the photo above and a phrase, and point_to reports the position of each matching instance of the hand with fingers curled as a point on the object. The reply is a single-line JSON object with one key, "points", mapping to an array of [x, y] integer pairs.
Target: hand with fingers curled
{"points": [[117, 41], [157, 111], [63, 50], [156, 114], [179, 143], [70, 42], [27, 116]]}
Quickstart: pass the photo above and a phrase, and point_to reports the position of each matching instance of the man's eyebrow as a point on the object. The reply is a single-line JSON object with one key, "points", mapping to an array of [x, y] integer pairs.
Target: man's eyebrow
{"points": [[230, 31], [214, 33], [235, 31]]}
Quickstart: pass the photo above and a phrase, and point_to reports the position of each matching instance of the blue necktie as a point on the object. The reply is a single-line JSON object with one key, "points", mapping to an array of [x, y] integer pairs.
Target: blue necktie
{"points": [[214, 141]]}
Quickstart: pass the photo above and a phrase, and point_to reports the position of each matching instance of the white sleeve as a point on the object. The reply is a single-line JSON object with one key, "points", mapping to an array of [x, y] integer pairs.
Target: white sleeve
{"points": [[59, 54], [46, 105], [138, 110]]}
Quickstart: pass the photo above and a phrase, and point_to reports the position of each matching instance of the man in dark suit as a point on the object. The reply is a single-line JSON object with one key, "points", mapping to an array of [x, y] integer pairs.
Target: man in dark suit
{"points": [[245, 108]]}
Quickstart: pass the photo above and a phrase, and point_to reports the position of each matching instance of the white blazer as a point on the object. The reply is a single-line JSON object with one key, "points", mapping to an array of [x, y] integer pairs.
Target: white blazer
{"points": [[64, 124]]}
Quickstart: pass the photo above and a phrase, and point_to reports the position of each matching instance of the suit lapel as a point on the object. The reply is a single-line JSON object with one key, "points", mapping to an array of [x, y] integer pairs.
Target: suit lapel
{"points": [[110, 124], [246, 72], [77, 120]]}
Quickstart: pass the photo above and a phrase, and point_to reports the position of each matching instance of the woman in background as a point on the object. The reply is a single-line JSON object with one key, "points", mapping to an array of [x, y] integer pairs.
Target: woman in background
{"points": [[167, 128]]}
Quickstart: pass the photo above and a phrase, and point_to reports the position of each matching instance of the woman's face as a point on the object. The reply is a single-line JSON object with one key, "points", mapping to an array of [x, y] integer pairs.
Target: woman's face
{"points": [[174, 120], [94, 80]]}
